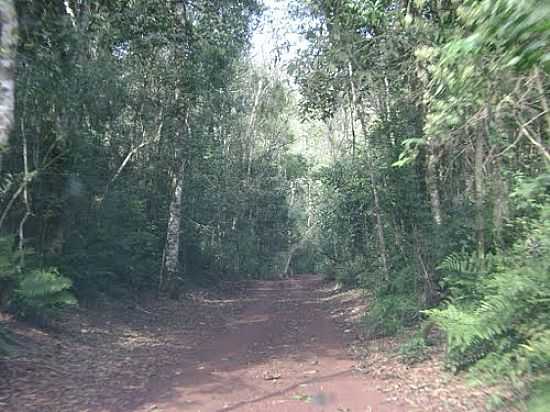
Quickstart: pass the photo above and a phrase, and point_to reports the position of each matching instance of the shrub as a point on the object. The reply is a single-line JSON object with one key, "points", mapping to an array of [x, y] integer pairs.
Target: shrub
{"points": [[40, 294], [540, 398], [390, 313], [505, 331], [7, 342], [349, 272], [396, 304], [414, 350], [8, 268]]}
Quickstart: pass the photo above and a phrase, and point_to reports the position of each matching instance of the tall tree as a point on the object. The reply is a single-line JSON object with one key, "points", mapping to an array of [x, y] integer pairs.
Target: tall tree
{"points": [[8, 49]]}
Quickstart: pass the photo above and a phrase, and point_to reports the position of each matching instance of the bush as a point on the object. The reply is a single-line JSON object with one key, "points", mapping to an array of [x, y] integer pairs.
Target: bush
{"points": [[8, 268], [414, 350], [349, 272], [41, 293], [7, 342], [396, 305], [505, 331], [540, 398], [390, 313]]}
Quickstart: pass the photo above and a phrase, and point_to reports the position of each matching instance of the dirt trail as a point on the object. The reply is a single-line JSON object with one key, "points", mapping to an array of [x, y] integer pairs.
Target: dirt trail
{"points": [[281, 353], [272, 347]]}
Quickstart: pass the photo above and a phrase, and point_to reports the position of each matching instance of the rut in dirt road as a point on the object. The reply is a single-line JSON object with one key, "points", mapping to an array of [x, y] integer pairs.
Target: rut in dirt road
{"points": [[280, 353]]}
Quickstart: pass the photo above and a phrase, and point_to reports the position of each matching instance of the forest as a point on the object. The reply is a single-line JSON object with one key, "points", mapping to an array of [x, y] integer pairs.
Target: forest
{"points": [[403, 150]]}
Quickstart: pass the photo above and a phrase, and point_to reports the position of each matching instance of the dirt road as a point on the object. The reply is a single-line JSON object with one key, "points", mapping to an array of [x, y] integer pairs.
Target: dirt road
{"points": [[281, 353], [273, 347]]}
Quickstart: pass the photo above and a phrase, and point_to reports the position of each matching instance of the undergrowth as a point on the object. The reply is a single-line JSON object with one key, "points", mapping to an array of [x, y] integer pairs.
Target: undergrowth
{"points": [[31, 293], [496, 317]]}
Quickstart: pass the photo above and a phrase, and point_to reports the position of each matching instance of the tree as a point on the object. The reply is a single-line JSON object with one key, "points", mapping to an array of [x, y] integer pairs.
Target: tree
{"points": [[8, 46]]}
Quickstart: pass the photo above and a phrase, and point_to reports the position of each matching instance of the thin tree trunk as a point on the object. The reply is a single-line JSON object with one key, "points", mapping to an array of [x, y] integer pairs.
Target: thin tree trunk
{"points": [[539, 77], [398, 239], [432, 184], [428, 295], [170, 267], [291, 253], [134, 150], [8, 49], [70, 12], [251, 132], [309, 209], [172, 248], [479, 191], [370, 170], [330, 138], [297, 246], [26, 200], [500, 209]]}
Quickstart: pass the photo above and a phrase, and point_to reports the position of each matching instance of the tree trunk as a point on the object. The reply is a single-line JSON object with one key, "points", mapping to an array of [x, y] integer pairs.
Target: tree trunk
{"points": [[172, 247], [429, 289], [251, 132], [500, 208], [170, 264], [370, 170], [8, 50], [432, 184], [291, 253], [479, 193], [309, 209], [26, 200], [539, 77], [296, 247]]}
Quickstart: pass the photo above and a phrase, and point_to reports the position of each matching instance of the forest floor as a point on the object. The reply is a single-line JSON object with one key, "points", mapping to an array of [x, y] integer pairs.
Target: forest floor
{"points": [[288, 345]]}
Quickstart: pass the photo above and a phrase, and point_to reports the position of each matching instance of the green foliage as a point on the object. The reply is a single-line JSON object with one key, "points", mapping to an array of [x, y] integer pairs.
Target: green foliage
{"points": [[8, 259], [502, 326], [107, 153], [118, 254], [520, 28], [7, 342], [10, 270], [348, 273], [436, 122], [444, 176], [461, 274], [414, 350], [41, 293], [388, 314], [34, 294], [540, 398]]}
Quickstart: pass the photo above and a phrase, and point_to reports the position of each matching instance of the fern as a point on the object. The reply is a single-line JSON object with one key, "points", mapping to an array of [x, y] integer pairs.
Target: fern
{"points": [[8, 259], [502, 326], [41, 293], [459, 263], [461, 274]]}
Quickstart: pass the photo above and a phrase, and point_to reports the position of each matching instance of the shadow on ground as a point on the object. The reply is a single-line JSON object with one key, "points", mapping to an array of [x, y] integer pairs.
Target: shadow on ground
{"points": [[173, 355]]}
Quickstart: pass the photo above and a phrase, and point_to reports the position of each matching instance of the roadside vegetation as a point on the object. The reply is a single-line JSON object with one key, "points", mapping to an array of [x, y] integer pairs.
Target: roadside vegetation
{"points": [[404, 150]]}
